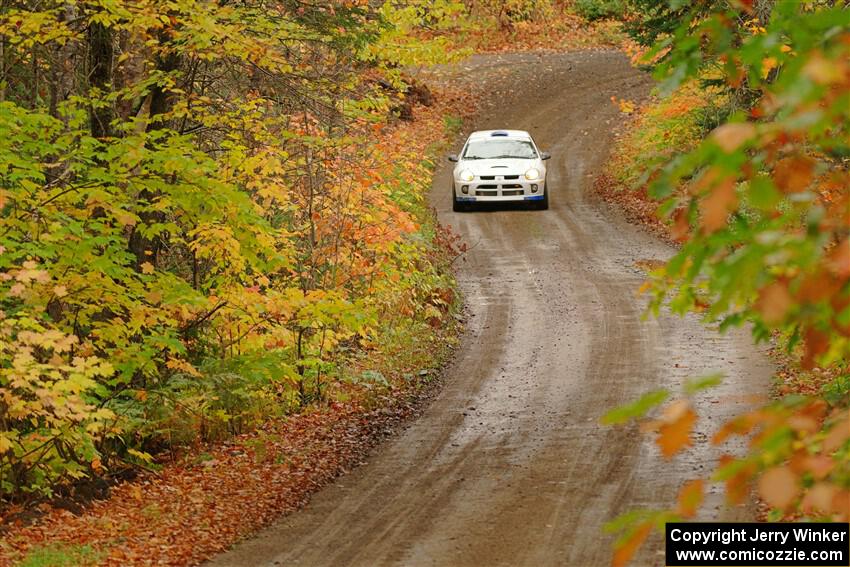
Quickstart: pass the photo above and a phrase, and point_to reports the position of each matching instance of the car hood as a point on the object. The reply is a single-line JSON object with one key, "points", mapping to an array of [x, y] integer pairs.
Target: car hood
{"points": [[499, 166]]}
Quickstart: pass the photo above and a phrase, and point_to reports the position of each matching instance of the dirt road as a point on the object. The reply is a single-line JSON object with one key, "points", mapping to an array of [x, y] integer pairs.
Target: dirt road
{"points": [[509, 465]]}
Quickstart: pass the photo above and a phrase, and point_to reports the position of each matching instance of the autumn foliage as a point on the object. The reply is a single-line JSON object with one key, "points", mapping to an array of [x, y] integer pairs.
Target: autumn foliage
{"points": [[201, 218], [760, 205]]}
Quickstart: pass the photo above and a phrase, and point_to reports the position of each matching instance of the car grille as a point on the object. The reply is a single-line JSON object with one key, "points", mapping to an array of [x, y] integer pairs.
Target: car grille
{"points": [[512, 192], [493, 177]]}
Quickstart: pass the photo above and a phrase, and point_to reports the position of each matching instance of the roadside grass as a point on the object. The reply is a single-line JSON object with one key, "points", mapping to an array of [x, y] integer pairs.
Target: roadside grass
{"points": [[657, 131], [662, 129], [62, 555]]}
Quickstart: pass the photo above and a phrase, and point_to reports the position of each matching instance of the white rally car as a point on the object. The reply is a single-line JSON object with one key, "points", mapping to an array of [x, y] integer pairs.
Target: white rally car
{"points": [[499, 166]]}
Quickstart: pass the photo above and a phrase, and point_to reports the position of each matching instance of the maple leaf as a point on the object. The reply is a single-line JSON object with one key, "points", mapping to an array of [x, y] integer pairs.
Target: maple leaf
{"points": [[674, 428]]}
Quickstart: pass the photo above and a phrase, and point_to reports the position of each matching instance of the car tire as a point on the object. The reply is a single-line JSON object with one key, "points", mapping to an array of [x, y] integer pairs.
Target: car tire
{"points": [[458, 206], [543, 204]]}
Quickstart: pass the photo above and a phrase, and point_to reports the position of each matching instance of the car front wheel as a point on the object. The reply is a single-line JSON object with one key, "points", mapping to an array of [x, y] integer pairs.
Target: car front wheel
{"points": [[458, 206], [543, 204]]}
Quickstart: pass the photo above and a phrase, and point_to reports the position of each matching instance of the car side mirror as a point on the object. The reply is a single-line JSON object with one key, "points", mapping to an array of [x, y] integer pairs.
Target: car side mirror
{"points": [[452, 157], [545, 155]]}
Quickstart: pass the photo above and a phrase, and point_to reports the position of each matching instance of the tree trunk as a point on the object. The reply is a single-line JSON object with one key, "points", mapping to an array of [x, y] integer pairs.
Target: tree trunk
{"points": [[143, 248], [101, 55]]}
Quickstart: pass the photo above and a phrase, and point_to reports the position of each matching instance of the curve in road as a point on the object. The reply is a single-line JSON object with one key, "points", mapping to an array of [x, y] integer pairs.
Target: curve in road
{"points": [[509, 465]]}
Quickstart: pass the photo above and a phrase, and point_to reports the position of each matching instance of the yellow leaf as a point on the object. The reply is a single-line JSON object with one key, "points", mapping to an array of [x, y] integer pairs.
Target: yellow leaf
{"points": [[147, 268], [627, 106], [768, 64]]}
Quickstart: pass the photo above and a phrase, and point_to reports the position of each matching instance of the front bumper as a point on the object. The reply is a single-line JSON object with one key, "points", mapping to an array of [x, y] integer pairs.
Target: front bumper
{"points": [[499, 189]]}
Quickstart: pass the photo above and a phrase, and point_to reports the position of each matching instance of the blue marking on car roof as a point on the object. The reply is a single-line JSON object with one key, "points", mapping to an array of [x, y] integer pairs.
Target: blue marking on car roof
{"points": [[499, 133]]}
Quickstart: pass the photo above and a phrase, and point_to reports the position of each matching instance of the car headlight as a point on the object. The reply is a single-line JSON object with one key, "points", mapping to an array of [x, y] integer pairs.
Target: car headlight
{"points": [[532, 174], [466, 175]]}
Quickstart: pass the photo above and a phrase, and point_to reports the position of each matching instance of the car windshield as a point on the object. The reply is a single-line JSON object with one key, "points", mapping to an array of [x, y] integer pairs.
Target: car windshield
{"points": [[499, 148]]}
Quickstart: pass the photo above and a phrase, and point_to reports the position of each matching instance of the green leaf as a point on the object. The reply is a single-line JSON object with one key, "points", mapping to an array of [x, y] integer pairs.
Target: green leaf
{"points": [[635, 409]]}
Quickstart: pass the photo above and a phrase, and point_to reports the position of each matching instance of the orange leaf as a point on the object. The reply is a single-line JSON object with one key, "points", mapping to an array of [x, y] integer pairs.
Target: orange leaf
{"points": [[821, 70], [627, 548], [817, 286], [836, 437], [674, 434], [741, 425], [773, 303], [732, 136], [779, 487], [737, 486], [841, 505], [819, 465], [720, 202], [839, 260], [690, 498], [817, 343], [793, 174], [681, 226], [818, 498]]}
